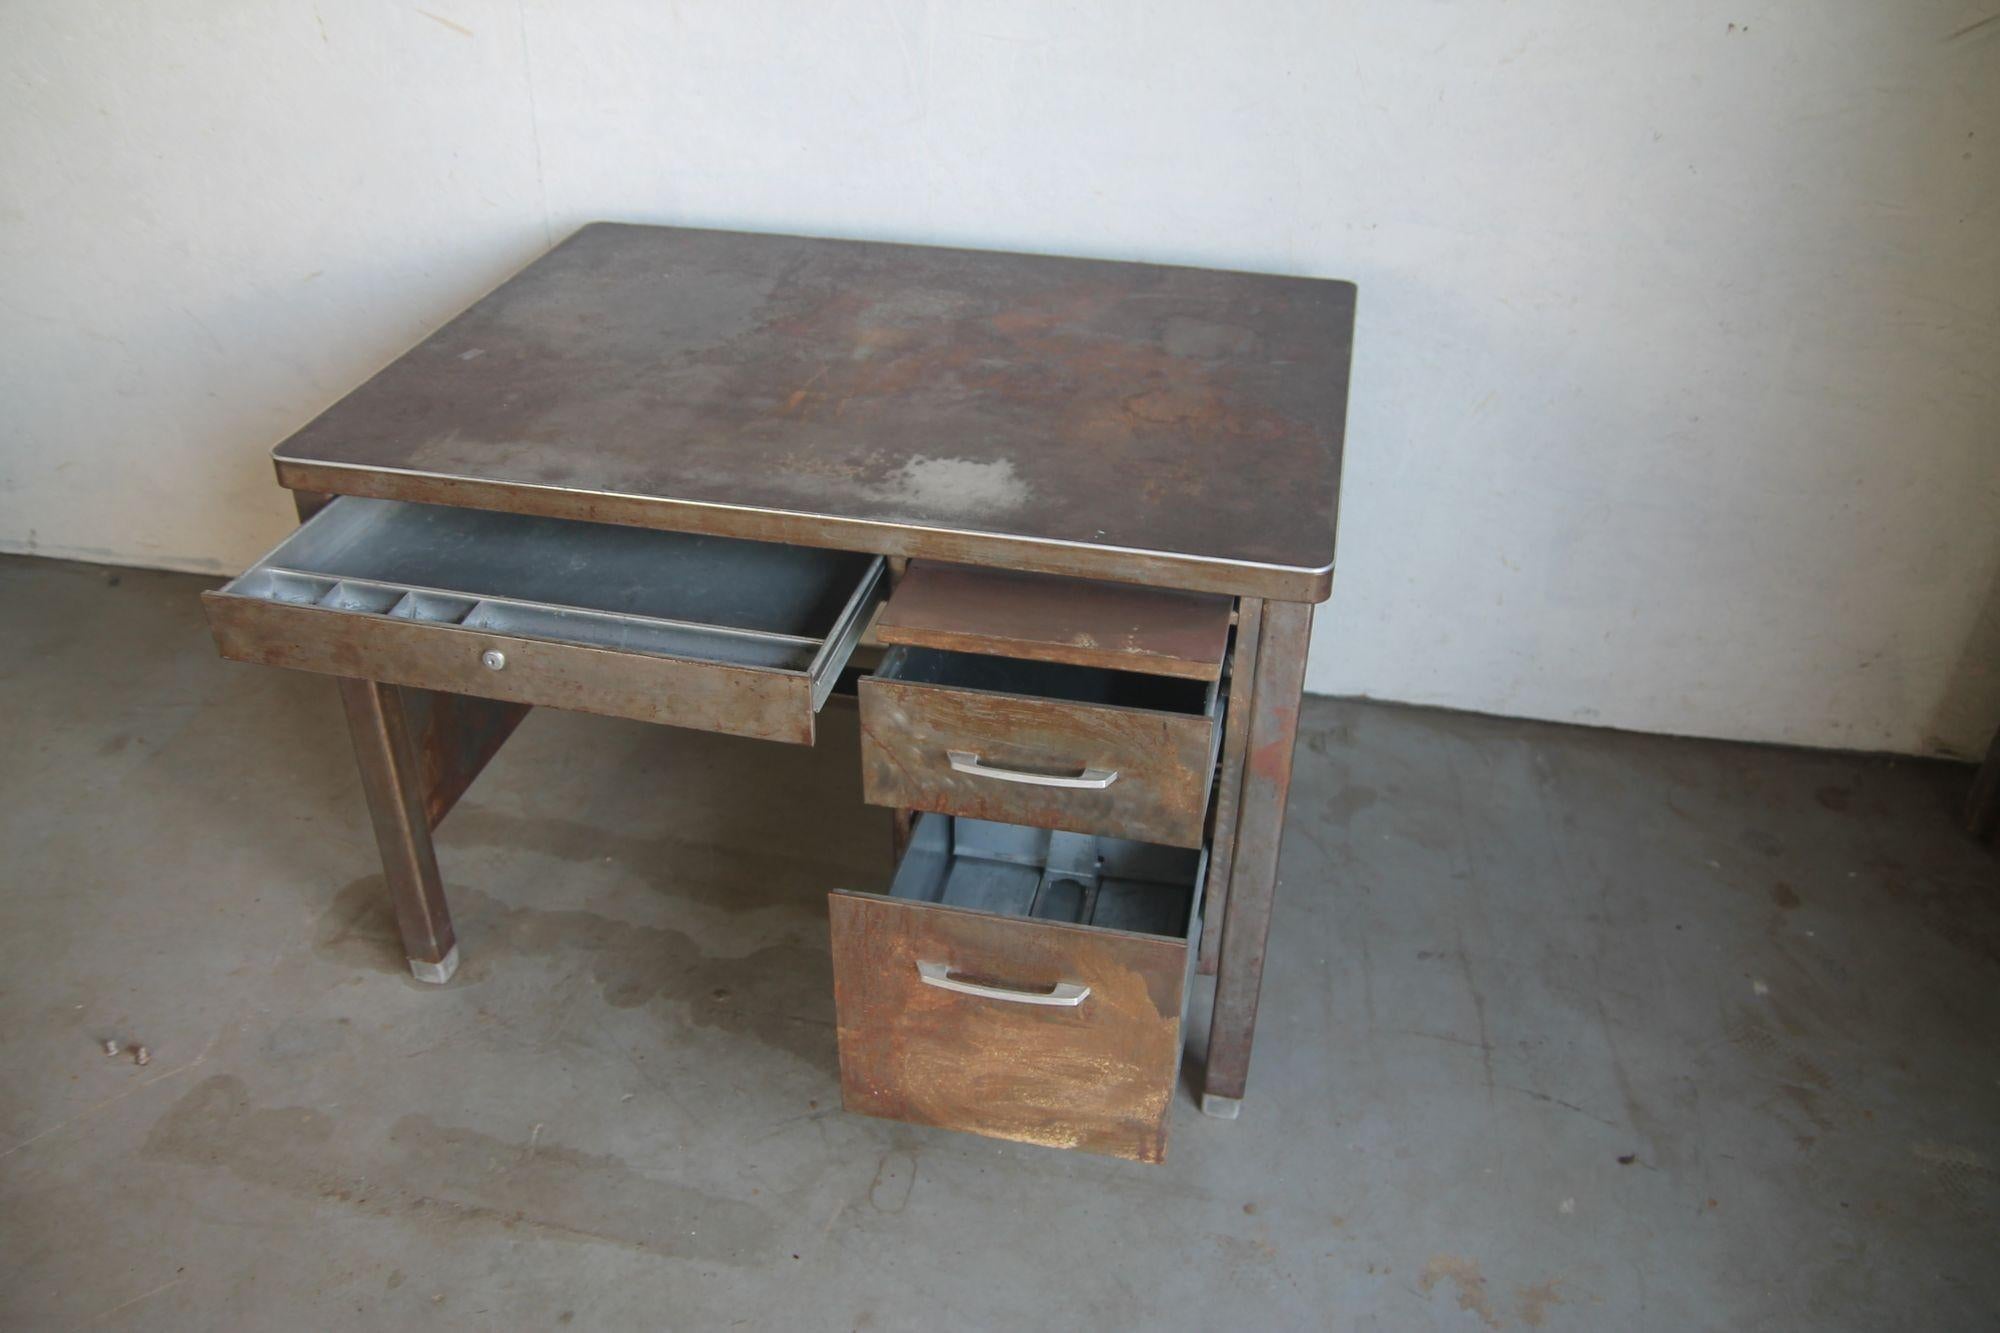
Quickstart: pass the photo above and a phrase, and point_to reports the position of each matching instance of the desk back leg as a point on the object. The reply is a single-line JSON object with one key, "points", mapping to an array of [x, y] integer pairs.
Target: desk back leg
{"points": [[393, 781], [1253, 874], [1229, 783]]}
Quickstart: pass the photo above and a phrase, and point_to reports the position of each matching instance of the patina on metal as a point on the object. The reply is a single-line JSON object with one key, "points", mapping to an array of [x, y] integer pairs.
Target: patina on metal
{"points": [[1137, 422], [1020, 742], [1081, 621], [695, 631], [1171, 428], [1229, 775], [1260, 832], [972, 996]]}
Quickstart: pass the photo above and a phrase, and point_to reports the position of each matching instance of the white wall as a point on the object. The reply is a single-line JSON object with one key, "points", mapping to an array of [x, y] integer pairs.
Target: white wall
{"points": [[1674, 395]]}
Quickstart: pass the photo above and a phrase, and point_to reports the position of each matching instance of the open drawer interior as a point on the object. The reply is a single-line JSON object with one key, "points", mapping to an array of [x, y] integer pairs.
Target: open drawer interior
{"points": [[634, 590], [1058, 681], [1049, 875]]}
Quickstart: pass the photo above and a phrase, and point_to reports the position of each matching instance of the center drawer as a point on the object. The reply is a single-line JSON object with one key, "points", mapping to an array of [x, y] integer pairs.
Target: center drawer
{"points": [[707, 632], [1020, 983], [1050, 744]]}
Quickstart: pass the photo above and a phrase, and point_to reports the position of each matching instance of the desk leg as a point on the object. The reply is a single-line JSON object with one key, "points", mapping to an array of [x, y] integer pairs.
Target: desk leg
{"points": [[1253, 875], [1229, 786], [393, 780]]}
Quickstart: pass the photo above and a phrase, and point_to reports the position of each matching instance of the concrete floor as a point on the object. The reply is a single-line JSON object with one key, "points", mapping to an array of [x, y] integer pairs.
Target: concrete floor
{"points": [[1563, 1029]]}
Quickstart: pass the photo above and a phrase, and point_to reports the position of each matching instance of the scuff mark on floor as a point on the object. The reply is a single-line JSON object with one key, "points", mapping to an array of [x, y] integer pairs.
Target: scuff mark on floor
{"points": [[451, 1174]]}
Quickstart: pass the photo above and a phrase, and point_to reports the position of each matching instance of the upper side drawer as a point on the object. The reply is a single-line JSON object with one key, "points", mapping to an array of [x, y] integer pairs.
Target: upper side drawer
{"points": [[1040, 743], [1020, 983], [1085, 622], [707, 632]]}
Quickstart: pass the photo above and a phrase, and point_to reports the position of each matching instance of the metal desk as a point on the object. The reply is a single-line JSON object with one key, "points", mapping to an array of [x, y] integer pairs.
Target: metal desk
{"points": [[1173, 428]]}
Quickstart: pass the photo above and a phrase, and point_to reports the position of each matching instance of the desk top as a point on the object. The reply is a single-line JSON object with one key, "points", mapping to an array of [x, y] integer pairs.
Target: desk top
{"points": [[1169, 426]]}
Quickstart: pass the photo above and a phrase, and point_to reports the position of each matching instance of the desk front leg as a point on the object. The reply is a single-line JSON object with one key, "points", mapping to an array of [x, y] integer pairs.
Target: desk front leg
{"points": [[392, 779], [418, 751], [1277, 681]]}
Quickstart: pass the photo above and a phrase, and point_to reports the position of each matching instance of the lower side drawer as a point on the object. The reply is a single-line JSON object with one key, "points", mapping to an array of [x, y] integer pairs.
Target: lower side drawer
{"points": [[1021, 983]]}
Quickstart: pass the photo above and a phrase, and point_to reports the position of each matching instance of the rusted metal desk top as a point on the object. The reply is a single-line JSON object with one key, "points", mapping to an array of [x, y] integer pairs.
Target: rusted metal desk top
{"points": [[1171, 426]]}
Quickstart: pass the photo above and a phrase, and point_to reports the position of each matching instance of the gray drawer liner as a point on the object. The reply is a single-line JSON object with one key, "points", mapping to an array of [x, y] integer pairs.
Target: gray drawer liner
{"points": [[638, 590], [1049, 875]]}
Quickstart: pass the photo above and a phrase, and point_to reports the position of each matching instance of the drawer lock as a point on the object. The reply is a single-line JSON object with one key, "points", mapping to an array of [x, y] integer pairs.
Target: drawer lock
{"points": [[493, 659]]}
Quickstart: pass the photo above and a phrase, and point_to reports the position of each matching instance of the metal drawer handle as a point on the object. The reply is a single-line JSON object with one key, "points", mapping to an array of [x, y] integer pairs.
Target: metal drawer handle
{"points": [[1091, 779], [1066, 995]]}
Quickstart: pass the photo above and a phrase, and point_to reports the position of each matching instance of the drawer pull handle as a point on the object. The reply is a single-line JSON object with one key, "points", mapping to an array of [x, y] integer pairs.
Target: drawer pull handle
{"points": [[1066, 995], [1091, 779]]}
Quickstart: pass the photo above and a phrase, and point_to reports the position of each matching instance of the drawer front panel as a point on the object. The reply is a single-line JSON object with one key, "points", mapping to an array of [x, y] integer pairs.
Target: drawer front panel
{"points": [[1098, 1074], [1118, 626], [704, 695], [971, 752]]}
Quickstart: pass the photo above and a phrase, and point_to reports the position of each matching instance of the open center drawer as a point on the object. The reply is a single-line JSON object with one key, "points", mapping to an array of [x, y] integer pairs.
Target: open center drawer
{"points": [[1055, 745], [708, 632], [1021, 983]]}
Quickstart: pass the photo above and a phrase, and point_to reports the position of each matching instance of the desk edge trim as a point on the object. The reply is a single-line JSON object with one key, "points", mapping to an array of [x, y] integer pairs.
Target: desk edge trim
{"points": [[1047, 555]]}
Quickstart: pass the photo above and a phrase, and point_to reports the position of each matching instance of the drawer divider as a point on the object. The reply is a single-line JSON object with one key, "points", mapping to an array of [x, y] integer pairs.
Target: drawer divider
{"points": [[741, 637], [499, 602]]}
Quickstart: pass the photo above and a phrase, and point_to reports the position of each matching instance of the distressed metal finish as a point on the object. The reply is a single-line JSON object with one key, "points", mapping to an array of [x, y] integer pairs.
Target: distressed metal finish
{"points": [[1119, 626], [1099, 1076], [707, 696], [732, 636], [455, 737], [909, 730], [1172, 426], [391, 779], [1229, 776], [1260, 827]]}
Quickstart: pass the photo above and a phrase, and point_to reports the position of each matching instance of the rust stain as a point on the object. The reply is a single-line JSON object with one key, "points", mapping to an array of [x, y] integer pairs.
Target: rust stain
{"points": [[1466, 1279], [1101, 1079], [1272, 761], [803, 392], [1044, 354], [907, 730], [637, 373], [1533, 1302]]}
